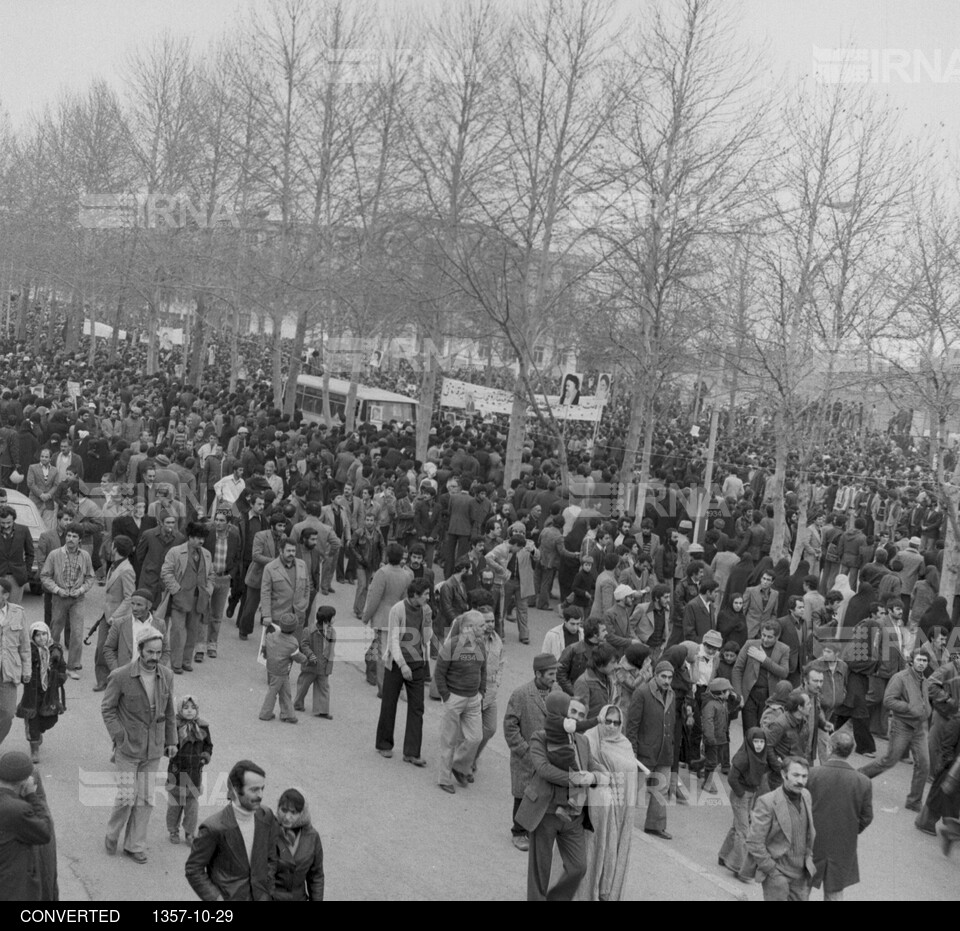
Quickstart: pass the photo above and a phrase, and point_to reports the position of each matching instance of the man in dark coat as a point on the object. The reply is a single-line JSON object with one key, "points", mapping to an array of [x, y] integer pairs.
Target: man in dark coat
{"points": [[230, 862], [651, 719], [842, 810], [526, 714], [25, 827], [537, 812]]}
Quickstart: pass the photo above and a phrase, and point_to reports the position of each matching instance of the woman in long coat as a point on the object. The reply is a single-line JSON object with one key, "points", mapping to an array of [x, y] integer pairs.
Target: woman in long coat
{"points": [[612, 804]]}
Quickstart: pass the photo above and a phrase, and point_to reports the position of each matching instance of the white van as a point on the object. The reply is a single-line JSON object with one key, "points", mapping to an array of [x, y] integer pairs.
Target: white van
{"points": [[374, 405]]}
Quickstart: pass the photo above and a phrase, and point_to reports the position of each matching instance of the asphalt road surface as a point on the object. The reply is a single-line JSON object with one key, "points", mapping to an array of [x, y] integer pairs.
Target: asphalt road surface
{"points": [[388, 831]]}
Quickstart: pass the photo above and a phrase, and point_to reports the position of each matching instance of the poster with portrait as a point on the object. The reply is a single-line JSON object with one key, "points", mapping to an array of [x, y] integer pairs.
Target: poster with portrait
{"points": [[602, 394], [570, 389]]}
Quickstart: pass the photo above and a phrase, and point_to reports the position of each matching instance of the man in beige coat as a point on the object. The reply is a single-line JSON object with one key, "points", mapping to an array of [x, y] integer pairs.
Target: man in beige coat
{"points": [[187, 575], [285, 587]]}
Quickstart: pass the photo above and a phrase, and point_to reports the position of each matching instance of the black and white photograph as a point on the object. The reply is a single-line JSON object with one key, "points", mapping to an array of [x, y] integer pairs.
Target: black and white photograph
{"points": [[477, 450]]}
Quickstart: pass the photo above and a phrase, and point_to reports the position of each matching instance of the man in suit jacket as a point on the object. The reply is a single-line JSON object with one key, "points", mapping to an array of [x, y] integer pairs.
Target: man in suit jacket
{"points": [[187, 574], [759, 667], [42, 480], [16, 552], [285, 587], [547, 791], [526, 714], [700, 614], [224, 546], [152, 549], [760, 604], [842, 809], [139, 714], [781, 821], [125, 625], [265, 548], [461, 525], [229, 862], [68, 460]]}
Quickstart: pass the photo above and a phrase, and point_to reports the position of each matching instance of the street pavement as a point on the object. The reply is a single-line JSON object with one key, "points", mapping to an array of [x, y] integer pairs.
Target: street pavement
{"points": [[388, 831]]}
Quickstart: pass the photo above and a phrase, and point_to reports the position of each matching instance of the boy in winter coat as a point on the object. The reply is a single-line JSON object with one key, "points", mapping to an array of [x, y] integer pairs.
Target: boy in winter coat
{"points": [[318, 646], [715, 722], [184, 772], [281, 649]]}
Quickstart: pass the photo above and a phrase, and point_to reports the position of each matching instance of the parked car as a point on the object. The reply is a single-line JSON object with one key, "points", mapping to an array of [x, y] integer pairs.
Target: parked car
{"points": [[29, 517]]}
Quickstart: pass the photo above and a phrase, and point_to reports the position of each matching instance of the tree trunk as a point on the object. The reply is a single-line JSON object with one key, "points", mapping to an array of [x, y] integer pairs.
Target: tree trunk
{"points": [[22, 310], [950, 577], [428, 386], [74, 324], [632, 442], [153, 326], [277, 363], [235, 348], [803, 494], [117, 320], [299, 338], [518, 423], [327, 414], [350, 413], [777, 483], [194, 371], [52, 322]]}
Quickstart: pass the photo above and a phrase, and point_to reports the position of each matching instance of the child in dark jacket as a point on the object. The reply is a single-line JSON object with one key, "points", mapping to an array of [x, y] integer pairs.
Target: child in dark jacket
{"points": [[715, 721], [184, 772], [728, 658], [318, 646]]}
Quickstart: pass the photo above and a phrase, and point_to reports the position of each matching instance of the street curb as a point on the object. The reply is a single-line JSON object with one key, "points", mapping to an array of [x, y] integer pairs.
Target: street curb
{"points": [[662, 847]]}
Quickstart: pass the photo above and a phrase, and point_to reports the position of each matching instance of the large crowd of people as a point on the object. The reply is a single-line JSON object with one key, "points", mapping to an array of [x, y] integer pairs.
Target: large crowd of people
{"points": [[199, 509]]}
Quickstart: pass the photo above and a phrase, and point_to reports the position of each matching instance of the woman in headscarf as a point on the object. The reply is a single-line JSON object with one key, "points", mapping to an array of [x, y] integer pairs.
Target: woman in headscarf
{"points": [[740, 576], [748, 777], [299, 852], [859, 606], [924, 592], [612, 806], [795, 582], [732, 623], [781, 581], [842, 585], [44, 699], [935, 616], [683, 723], [765, 564]]}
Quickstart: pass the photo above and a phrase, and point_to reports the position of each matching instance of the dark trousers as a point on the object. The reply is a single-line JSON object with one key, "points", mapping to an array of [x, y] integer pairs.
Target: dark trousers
{"points": [[861, 732], [543, 582], [752, 710], [393, 682], [569, 838], [251, 602], [517, 830], [455, 546]]}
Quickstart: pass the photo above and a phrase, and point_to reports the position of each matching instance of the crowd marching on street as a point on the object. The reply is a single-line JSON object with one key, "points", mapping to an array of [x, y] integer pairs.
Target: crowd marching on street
{"points": [[207, 515]]}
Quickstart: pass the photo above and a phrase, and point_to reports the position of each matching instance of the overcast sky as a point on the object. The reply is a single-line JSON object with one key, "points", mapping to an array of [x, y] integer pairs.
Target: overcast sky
{"points": [[48, 44]]}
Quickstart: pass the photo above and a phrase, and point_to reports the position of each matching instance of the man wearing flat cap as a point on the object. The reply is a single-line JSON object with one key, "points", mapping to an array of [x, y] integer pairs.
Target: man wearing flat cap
{"points": [[25, 826], [526, 714]]}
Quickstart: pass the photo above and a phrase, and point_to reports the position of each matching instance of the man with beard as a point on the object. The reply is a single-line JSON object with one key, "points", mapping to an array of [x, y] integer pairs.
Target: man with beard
{"points": [[285, 587], [139, 713], [234, 855], [152, 549], [781, 836]]}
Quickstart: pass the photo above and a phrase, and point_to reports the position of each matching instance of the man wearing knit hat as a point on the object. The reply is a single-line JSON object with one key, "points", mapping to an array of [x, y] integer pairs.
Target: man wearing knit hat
{"points": [[24, 825], [650, 725], [526, 714], [619, 620], [140, 716]]}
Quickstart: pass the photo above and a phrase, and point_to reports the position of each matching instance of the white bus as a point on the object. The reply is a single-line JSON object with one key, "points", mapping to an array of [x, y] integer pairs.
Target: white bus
{"points": [[374, 405]]}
